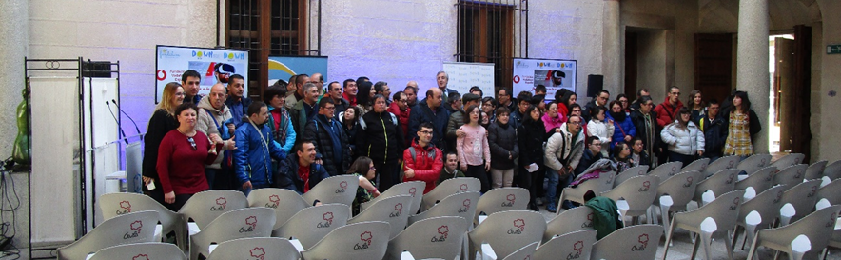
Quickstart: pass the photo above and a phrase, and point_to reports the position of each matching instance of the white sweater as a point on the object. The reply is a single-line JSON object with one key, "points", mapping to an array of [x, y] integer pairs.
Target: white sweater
{"points": [[604, 131], [683, 141]]}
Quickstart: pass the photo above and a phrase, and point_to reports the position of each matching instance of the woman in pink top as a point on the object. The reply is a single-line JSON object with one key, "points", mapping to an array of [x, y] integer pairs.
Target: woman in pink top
{"points": [[552, 120], [474, 154]]}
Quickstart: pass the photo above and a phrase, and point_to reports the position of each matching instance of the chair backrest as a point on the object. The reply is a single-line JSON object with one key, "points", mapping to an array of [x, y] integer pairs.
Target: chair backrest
{"points": [[630, 173], [833, 170], [447, 188], [579, 218], [234, 224], [755, 162], [524, 253], [723, 163], [724, 210], [508, 231], [502, 199], [831, 192], [366, 240], [311, 224], [697, 165], [788, 160], [766, 203], [394, 210], [414, 188], [815, 171], [572, 245], [256, 248], [129, 228], [638, 191], [760, 180], [140, 251], [791, 175], [438, 237], [203, 207], [336, 189], [461, 204], [284, 202], [635, 242], [603, 183], [666, 170], [803, 197], [118, 203], [817, 226], [681, 187], [720, 182]]}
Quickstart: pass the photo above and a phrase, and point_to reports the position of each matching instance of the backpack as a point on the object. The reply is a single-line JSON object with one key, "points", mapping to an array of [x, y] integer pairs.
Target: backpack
{"points": [[414, 154]]}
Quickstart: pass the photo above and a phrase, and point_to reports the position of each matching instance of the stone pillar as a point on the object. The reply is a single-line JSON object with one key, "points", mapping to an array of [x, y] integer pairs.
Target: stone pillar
{"points": [[612, 44], [752, 57], [14, 26]]}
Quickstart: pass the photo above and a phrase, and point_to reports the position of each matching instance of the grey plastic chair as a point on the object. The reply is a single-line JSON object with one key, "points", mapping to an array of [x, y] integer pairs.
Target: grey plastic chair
{"points": [[461, 204], [336, 189], [817, 226], [579, 218], [719, 183], [154, 250], [205, 206], [523, 253], [234, 224], [636, 242], [760, 180], [572, 245], [697, 165], [815, 171], [723, 163], [598, 185], [414, 188], [506, 232], [366, 240], [831, 192], [284, 202], [393, 210], [639, 193], [501, 199], [723, 210], [129, 228], [256, 247], [791, 175], [788, 160], [755, 162], [833, 170], [438, 237], [118, 203], [666, 170], [680, 190], [310, 225], [803, 197], [767, 205], [630, 173], [447, 188]]}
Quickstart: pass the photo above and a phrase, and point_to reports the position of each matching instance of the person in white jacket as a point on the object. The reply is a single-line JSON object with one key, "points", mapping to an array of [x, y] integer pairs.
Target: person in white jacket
{"points": [[601, 128], [685, 140], [563, 151]]}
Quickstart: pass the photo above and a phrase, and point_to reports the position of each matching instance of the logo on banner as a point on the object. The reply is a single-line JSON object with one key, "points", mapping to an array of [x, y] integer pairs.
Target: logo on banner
{"points": [[202, 54], [161, 75], [522, 65], [516, 79], [164, 53]]}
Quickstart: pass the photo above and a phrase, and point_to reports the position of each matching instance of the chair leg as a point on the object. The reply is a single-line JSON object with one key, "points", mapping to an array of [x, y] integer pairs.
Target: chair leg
{"points": [[752, 249], [695, 244], [776, 255], [706, 241], [729, 244], [668, 240]]}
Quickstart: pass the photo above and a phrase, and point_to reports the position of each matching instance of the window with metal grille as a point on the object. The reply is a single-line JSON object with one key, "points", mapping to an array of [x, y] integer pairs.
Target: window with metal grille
{"points": [[486, 34]]}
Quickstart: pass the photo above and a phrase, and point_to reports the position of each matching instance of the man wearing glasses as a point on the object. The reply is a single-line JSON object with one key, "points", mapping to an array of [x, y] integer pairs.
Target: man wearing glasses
{"points": [[666, 111], [563, 153], [599, 101], [422, 160], [329, 138]]}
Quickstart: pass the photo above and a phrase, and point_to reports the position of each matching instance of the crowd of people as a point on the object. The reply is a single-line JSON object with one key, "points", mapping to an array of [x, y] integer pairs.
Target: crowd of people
{"points": [[304, 131]]}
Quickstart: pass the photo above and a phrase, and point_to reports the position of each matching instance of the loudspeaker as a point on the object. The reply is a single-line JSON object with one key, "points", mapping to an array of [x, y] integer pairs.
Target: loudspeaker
{"points": [[594, 84]]}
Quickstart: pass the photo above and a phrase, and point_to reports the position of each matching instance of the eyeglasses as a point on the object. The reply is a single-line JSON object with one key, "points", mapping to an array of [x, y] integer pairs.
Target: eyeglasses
{"points": [[372, 168], [573, 123], [192, 142], [330, 108], [425, 132]]}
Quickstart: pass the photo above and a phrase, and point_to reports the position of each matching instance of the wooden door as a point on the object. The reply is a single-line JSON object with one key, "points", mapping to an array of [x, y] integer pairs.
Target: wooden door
{"points": [[714, 65], [631, 65], [783, 86]]}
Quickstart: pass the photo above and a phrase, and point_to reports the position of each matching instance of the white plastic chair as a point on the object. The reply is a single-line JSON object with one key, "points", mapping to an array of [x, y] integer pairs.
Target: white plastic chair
{"points": [[697, 165], [522, 253], [507, 231], [598, 185], [674, 193], [311, 224], [284, 202], [438, 237], [255, 247], [637, 193], [666, 170], [636, 242], [803, 197], [366, 240], [719, 183], [449, 187], [755, 162], [579, 218], [760, 180], [630, 173], [501, 199], [831, 192], [833, 170], [118, 203], [815, 171], [765, 206], [723, 210], [336, 189], [394, 210], [129, 228], [203, 207], [572, 245], [723, 163], [788, 160], [791, 175], [817, 226], [461, 204], [414, 188], [154, 250], [234, 224]]}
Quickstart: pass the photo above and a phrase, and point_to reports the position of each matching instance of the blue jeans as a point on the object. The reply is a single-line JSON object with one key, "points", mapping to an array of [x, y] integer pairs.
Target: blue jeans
{"points": [[551, 186]]}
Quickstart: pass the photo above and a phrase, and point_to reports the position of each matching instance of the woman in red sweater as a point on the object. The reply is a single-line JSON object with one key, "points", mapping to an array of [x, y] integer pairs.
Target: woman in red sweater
{"points": [[182, 156]]}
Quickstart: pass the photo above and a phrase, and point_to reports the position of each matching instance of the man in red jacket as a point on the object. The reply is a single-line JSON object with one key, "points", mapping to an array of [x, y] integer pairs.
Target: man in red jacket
{"points": [[666, 111], [400, 108], [422, 161]]}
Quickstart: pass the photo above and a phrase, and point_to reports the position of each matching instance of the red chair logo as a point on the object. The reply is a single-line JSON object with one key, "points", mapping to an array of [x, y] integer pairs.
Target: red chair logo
{"points": [[442, 234], [735, 203], [646, 185], [463, 187], [328, 220], [220, 202], [251, 224], [398, 209], [466, 204], [643, 243], [258, 252], [519, 225], [689, 181], [366, 238], [125, 206], [135, 227], [140, 257], [413, 191]]}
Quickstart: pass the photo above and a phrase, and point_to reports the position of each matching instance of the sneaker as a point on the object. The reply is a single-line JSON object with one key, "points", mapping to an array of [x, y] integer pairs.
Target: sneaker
{"points": [[552, 208]]}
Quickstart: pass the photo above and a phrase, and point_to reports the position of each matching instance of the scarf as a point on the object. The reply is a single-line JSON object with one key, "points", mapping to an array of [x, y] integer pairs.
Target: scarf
{"points": [[618, 116]]}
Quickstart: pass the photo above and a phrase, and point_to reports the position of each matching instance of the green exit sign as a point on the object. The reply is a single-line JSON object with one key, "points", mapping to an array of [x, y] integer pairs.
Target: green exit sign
{"points": [[833, 49]]}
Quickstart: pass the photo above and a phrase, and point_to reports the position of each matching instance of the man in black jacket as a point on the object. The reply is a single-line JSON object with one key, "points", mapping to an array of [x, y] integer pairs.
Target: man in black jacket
{"points": [[298, 171], [430, 109], [329, 139], [715, 132], [381, 139]]}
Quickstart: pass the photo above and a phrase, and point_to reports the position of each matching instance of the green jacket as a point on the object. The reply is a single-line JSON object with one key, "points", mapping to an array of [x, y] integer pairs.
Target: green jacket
{"points": [[446, 175], [606, 219]]}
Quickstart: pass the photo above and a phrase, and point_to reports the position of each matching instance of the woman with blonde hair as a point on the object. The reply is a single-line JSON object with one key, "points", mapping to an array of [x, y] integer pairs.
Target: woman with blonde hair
{"points": [[162, 121]]}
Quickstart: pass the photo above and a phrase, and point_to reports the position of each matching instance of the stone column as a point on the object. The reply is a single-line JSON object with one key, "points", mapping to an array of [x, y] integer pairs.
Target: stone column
{"points": [[612, 44], [752, 57]]}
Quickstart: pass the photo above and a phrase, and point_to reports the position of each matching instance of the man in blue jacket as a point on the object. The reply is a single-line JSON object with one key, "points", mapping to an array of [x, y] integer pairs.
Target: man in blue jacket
{"points": [[298, 171], [255, 149], [430, 110], [329, 138]]}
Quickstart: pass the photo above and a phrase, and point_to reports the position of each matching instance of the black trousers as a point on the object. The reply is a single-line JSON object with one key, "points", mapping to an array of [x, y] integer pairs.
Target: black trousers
{"points": [[388, 174], [478, 171]]}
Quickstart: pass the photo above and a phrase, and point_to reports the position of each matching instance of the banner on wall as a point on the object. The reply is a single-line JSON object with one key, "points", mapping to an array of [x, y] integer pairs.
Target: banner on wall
{"points": [[464, 75], [214, 65], [283, 67], [553, 74]]}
